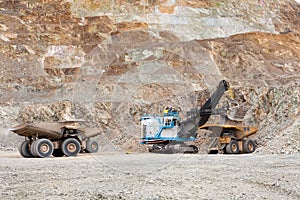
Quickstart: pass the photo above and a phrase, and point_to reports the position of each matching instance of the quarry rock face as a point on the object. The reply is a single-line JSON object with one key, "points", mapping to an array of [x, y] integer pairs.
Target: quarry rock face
{"points": [[112, 61]]}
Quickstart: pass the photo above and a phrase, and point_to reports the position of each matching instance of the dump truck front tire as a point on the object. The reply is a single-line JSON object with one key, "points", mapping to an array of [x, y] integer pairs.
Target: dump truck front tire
{"points": [[92, 146], [71, 147], [24, 149]]}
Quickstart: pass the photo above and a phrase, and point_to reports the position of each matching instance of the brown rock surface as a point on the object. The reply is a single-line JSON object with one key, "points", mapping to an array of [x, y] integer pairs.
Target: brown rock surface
{"points": [[112, 62]]}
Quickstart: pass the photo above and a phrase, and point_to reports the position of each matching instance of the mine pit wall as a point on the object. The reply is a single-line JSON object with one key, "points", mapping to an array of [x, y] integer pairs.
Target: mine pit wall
{"points": [[110, 63]]}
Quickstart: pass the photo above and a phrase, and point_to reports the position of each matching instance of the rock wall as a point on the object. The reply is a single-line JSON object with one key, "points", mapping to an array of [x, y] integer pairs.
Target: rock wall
{"points": [[110, 61]]}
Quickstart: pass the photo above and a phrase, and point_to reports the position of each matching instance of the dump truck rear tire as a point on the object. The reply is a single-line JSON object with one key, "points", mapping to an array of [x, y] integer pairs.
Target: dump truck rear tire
{"points": [[71, 147], [248, 146], [227, 149], [24, 149], [42, 148], [232, 147], [92, 146], [32, 148]]}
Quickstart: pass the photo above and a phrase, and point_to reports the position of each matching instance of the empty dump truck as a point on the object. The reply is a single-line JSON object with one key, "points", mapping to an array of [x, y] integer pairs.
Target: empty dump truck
{"points": [[62, 138]]}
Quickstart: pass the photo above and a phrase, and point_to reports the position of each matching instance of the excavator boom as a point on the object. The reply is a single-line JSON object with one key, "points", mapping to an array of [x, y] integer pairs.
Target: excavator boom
{"points": [[188, 128]]}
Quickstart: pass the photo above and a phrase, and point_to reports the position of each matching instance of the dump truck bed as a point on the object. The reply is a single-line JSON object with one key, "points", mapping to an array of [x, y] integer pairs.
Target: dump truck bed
{"points": [[41, 130], [51, 130]]}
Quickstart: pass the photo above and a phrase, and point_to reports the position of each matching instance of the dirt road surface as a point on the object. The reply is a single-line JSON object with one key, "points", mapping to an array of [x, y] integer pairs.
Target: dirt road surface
{"points": [[150, 176]]}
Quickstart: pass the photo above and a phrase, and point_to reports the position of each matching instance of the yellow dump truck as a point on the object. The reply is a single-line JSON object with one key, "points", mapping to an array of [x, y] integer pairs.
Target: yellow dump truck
{"points": [[231, 139]]}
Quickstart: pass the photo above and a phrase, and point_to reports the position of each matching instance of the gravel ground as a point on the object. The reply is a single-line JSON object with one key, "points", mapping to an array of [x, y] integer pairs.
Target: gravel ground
{"points": [[150, 176]]}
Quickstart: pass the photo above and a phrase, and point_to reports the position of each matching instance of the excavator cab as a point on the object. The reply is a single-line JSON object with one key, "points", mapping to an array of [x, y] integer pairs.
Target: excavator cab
{"points": [[171, 118]]}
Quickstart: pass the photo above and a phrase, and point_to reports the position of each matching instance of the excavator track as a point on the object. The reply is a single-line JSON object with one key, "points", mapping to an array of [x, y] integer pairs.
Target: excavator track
{"points": [[173, 148]]}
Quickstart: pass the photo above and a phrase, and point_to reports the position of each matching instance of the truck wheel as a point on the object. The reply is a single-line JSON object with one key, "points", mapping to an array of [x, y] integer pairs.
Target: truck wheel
{"points": [[24, 149], [32, 148], [227, 149], [58, 153], [232, 147], [70, 147], [42, 148], [248, 146], [92, 146]]}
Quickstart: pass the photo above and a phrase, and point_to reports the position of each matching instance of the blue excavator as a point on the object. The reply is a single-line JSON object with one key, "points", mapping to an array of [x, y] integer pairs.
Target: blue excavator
{"points": [[169, 134]]}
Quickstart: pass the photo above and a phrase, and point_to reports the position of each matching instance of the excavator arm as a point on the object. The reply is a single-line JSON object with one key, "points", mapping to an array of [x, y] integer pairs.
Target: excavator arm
{"points": [[188, 128]]}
